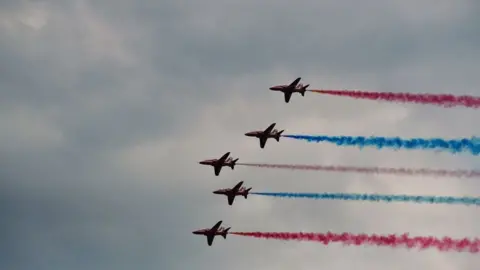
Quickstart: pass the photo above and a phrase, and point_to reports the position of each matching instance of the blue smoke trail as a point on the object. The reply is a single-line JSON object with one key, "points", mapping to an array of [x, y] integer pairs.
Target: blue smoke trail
{"points": [[454, 146], [376, 197]]}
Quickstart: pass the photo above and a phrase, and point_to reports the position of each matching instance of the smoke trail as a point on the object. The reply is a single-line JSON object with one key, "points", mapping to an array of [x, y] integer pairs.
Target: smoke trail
{"points": [[392, 240], [370, 170], [454, 146], [375, 197], [446, 101]]}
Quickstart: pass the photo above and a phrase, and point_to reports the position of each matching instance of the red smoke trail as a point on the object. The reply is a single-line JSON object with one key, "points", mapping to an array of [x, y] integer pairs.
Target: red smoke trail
{"points": [[437, 99], [392, 240], [371, 170]]}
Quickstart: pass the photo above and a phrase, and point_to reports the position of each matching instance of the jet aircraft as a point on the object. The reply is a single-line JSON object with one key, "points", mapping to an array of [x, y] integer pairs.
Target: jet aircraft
{"points": [[237, 190], [214, 231], [219, 163], [263, 135], [289, 89]]}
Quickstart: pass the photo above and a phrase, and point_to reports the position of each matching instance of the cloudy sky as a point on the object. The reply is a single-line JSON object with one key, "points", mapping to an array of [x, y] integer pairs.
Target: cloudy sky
{"points": [[107, 106]]}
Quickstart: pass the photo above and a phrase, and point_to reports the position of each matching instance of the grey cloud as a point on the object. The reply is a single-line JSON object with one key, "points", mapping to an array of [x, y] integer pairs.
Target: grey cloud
{"points": [[302, 36], [184, 81]]}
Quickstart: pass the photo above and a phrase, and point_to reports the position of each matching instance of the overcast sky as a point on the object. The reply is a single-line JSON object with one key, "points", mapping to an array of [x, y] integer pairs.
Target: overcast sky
{"points": [[107, 106]]}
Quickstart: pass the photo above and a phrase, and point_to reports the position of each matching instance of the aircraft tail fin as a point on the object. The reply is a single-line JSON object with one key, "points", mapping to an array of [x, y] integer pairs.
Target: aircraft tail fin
{"points": [[225, 232], [304, 89], [246, 192], [277, 136], [232, 165]]}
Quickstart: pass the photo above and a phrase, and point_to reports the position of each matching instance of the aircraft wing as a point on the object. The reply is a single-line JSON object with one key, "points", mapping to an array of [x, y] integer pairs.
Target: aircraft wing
{"points": [[269, 129], [288, 95], [216, 226], [294, 83], [263, 141], [210, 238], [231, 197], [224, 157], [217, 169], [237, 187]]}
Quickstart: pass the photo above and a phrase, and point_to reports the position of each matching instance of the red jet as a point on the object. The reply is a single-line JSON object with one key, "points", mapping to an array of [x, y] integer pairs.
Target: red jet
{"points": [[237, 190], [214, 231], [219, 163], [263, 135], [289, 89]]}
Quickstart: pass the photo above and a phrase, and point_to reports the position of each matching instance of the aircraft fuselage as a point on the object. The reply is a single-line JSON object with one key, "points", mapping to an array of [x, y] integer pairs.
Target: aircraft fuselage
{"points": [[227, 192], [285, 88], [209, 162], [207, 232], [259, 134]]}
